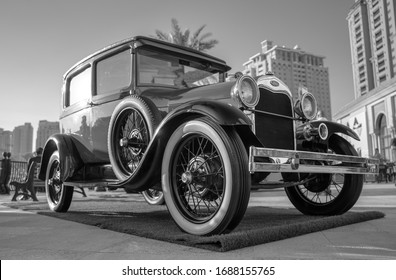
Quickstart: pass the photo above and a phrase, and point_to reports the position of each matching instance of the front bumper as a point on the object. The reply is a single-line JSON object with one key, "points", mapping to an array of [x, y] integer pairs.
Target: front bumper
{"points": [[309, 162]]}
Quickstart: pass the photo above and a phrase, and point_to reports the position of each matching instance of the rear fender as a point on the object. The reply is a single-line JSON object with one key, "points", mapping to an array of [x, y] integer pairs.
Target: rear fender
{"points": [[69, 156]]}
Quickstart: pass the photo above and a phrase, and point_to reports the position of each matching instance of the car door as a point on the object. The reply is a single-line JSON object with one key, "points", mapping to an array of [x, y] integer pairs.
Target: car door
{"points": [[75, 118], [112, 83]]}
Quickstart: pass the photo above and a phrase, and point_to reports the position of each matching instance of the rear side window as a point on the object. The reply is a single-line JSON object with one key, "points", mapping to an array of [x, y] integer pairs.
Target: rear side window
{"points": [[79, 87], [114, 73]]}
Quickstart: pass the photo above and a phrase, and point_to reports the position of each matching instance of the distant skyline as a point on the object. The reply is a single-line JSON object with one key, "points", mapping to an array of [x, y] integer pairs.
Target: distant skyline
{"points": [[42, 39]]}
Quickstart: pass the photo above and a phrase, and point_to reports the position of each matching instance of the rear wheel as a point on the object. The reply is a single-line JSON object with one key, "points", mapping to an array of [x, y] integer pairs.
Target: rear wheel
{"points": [[206, 183], [328, 194], [59, 196], [154, 196]]}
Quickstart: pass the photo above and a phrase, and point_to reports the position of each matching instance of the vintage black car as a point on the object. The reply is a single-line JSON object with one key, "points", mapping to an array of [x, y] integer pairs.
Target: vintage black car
{"points": [[154, 117]]}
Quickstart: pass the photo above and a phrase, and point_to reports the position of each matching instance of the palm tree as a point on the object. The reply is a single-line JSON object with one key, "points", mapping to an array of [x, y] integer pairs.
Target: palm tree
{"points": [[184, 38]]}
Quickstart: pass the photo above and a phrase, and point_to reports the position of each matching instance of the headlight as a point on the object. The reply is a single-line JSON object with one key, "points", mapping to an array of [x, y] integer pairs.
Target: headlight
{"points": [[307, 107], [247, 91]]}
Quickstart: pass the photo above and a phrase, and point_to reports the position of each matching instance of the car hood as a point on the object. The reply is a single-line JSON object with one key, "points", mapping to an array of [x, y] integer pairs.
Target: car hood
{"points": [[165, 97]]}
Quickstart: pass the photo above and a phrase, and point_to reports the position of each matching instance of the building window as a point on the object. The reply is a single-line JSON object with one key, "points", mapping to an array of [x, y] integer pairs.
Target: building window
{"points": [[382, 79], [384, 137], [381, 64], [356, 17]]}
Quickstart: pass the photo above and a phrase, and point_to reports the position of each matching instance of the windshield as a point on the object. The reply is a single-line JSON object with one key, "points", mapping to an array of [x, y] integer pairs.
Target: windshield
{"points": [[161, 69]]}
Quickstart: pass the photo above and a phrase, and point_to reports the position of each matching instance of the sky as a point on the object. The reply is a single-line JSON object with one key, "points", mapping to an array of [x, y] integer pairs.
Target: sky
{"points": [[41, 39]]}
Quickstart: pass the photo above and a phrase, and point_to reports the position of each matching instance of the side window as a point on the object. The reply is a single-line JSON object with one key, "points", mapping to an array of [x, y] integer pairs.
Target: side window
{"points": [[114, 73], [79, 87]]}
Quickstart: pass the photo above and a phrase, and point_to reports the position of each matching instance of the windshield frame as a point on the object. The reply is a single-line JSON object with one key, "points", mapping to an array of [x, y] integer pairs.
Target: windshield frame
{"points": [[175, 66]]}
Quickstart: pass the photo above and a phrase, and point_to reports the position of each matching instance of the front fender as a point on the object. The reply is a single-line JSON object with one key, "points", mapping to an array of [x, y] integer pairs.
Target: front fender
{"points": [[220, 112], [149, 171], [70, 160], [334, 127]]}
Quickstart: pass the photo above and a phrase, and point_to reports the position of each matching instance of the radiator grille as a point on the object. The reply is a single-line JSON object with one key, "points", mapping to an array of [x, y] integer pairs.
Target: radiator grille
{"points": [[275, 131]]}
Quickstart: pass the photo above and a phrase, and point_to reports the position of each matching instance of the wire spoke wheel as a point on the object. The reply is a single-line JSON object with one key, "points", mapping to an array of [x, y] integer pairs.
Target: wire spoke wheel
{"points": [[328, 194], [59, 196], [131, 127], [198, 178], [132, 137], [205, 180], [54, 182]]}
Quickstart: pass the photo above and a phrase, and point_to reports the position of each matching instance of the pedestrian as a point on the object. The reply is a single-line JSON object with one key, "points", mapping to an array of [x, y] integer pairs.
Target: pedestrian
{"points": [[36, 157], [5, 173], [2, 174]]}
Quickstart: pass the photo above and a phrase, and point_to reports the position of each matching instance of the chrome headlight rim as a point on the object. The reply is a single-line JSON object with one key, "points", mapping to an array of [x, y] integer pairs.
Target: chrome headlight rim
{"points": [[238, 91], [323, 131], [314, 104], [299, 107]]}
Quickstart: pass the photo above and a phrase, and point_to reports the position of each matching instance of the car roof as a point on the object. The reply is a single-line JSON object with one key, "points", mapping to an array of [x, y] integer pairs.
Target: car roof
{"points": [[144, 40]]}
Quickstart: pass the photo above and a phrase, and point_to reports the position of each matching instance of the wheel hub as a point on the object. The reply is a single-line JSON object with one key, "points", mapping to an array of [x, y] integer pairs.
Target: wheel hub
{"points": [[187, 177], [133, 141], [201, 178], [319, 183]]}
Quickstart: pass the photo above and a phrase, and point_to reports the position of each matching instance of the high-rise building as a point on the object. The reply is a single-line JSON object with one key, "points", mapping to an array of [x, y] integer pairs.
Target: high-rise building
{"points": [[372, 33], [22, 138], [5, 141], [295, 68], [372, 114], [44, 131]]}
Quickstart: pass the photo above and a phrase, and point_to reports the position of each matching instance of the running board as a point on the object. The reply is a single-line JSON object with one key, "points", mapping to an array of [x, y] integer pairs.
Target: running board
{"points": [[90, 184]]}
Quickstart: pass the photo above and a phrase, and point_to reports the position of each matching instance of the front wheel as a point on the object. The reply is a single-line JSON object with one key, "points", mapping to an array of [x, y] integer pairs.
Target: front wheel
{"points": [[205, 179], [59, 196], [328, 194]]}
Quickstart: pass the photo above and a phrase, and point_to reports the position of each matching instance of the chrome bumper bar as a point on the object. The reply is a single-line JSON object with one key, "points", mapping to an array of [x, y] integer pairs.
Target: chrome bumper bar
{"points": [[298, 162]]}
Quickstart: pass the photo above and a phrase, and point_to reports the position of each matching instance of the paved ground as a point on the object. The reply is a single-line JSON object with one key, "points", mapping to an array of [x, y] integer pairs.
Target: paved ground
{"points": [[26, 235]]}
